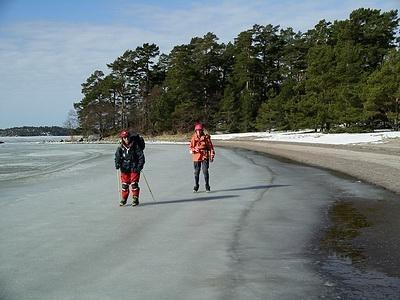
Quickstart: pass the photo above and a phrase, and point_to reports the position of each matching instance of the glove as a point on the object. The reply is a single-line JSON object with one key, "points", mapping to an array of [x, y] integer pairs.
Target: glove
{"points": [[117, 166]]}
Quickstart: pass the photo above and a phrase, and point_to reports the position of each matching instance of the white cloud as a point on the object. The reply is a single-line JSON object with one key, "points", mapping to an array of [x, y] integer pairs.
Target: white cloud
{"points": [[42, 64], [50, 47], [228, 18]]}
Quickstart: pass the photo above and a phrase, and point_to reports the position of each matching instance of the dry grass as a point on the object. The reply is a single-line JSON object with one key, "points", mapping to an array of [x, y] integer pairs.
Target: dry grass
{"points": [[183, 137]]}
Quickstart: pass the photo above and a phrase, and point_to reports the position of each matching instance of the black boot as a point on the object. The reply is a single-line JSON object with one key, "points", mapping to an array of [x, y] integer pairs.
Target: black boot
{"points": [[135, 201]]}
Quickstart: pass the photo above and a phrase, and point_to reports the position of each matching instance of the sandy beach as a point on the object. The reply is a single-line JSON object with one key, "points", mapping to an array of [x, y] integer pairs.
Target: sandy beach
{"points": [[376, 163]]}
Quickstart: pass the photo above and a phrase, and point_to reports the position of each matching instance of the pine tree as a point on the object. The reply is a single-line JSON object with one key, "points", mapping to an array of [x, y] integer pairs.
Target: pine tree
{"points": [[96, 111], [382, 93]]}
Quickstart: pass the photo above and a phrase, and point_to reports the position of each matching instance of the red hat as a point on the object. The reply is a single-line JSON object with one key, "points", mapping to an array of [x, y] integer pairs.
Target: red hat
{"points": [[198, 126], [123, 133]]}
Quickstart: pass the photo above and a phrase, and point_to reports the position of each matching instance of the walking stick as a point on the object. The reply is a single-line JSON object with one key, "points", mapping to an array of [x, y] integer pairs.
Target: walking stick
{"points": [[148, 186]]}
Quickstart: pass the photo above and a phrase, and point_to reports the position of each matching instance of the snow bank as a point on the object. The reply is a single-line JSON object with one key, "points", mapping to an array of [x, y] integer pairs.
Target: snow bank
{"points": [[312, 137]]}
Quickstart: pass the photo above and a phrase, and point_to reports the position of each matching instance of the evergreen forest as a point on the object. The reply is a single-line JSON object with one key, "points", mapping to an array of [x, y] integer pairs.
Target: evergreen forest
{"points": [[35, 131], [340, 76]]}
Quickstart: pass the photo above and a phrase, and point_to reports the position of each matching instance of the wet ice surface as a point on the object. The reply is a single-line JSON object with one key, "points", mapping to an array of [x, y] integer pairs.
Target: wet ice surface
{"points": [[360, 247], [27, 159], [62, 233], [348, 282], [33, 163], [356, 250]]}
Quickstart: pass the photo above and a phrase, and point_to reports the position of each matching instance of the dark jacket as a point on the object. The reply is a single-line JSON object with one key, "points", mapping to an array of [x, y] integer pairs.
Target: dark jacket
{"points": [[129, 158]]}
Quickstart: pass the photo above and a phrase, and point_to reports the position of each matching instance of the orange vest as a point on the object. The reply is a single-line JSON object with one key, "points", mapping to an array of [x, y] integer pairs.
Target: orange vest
{"points": [[201, 147]]}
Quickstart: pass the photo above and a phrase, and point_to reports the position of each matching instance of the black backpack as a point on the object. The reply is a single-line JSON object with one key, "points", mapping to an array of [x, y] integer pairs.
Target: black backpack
{"points": [[137, 139]]}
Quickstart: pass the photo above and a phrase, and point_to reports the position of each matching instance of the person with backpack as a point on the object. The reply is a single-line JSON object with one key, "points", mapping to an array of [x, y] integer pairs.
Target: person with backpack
{"points": [[202, 150], [129, 158]]}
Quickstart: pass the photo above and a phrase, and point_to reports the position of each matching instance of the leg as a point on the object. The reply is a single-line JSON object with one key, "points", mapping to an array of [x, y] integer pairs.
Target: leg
{"points": [[205, 164], [125, 181], [197, 166], [135, 188]]}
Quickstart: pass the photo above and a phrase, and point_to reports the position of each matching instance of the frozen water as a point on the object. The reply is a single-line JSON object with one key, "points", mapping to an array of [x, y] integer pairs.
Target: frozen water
{"points": [[30, 158], [63, 235], [34, 139]]}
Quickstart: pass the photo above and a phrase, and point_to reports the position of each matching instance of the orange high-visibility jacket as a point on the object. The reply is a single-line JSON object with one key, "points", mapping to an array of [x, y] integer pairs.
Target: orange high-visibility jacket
{"points": [[201, 147]]}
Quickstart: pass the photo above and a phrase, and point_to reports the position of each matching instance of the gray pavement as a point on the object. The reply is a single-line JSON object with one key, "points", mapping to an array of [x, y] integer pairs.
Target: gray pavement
{"points": [[63, 235]]}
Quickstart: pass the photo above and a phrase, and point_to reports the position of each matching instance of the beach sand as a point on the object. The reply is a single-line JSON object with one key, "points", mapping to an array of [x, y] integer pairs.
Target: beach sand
{"points": [[378, 164]]}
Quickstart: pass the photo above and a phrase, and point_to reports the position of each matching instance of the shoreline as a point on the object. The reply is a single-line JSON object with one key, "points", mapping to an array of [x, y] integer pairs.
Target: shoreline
{"points": [[356, 229], [377, 164]]}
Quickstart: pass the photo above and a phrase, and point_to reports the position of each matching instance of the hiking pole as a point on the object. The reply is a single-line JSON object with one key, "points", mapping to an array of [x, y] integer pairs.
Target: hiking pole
{"points": [[148, 186]]}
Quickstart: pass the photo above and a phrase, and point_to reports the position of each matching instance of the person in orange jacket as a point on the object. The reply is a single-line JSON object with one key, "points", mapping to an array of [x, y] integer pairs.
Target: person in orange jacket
{"points": [[202, 151]]}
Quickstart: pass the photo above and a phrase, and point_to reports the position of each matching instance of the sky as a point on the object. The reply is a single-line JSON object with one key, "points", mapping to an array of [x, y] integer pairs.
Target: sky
{"points": [[49, 48]]}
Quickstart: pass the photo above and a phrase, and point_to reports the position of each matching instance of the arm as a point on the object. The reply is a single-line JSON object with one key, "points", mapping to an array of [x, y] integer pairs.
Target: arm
{"points": [[210, 146], [118, 158], [140, 157], [192, 146]]}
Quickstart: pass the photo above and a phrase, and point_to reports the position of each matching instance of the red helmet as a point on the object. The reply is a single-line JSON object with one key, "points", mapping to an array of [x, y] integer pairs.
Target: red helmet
{"points": [[123, 133], [198, 126]]}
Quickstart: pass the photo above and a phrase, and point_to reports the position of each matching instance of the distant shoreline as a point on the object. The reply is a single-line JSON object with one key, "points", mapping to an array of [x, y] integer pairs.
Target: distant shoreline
{"points": [[35, 131]]}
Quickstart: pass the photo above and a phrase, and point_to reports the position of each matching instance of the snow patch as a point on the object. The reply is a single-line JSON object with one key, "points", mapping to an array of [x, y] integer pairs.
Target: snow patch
{"points": [[313, 137]]}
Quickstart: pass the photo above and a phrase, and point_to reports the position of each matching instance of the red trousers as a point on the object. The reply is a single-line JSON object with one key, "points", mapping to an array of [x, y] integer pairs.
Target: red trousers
{"points": [[131, 180]]}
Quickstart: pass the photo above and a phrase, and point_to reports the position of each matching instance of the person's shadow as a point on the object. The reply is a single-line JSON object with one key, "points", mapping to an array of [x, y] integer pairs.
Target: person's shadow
{"points": [[256, 187], [214, 198], [196, 199]]}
